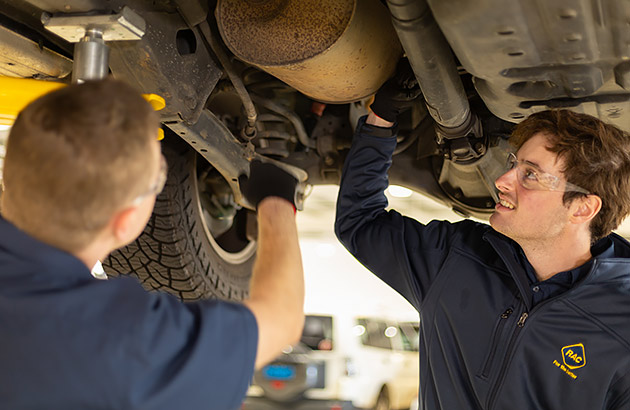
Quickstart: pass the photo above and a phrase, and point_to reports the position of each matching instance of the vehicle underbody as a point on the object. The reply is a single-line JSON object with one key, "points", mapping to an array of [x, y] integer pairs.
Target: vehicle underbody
{"points": [[287, 80]]}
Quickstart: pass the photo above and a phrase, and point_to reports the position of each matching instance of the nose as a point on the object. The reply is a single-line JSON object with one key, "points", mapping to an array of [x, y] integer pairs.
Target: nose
{"points": [[505, 182]]}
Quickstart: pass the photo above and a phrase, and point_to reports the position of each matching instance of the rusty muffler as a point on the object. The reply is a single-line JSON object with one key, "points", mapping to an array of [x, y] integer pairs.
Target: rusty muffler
{"points": [[333, 51]]}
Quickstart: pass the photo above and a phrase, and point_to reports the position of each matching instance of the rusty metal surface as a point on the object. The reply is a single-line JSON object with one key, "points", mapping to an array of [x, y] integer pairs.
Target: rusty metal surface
{"points": [[214, 141], [22, 57], [155, 65], [278, 32], [331, 50]]}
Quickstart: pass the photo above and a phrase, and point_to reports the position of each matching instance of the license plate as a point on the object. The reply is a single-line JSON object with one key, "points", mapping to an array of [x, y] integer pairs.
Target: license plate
{"points": [[279, 372]]}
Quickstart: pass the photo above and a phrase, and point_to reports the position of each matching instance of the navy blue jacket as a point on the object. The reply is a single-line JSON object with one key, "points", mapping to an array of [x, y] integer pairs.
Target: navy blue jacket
{"points": [[70, 341], [482, 344]]}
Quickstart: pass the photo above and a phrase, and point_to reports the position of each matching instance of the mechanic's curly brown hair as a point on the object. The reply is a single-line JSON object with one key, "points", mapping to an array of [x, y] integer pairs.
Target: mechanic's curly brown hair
{"points": [[596, 157]]}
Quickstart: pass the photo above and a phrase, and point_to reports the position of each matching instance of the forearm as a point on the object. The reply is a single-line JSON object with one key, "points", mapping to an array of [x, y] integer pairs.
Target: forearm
{"points": [[364, 180], [277, 285]]}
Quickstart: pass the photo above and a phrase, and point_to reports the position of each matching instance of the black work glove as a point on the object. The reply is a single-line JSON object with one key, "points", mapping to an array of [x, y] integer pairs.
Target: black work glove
{"points": [[266, 179], [396, 95]]}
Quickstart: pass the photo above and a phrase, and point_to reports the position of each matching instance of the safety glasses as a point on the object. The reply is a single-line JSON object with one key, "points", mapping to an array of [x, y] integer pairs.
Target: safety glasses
{"points": [[532, 177], [158, 185]]}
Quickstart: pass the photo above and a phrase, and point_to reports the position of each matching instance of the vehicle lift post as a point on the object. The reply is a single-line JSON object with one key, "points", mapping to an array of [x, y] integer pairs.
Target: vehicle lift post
{"points": [[90, 33]]}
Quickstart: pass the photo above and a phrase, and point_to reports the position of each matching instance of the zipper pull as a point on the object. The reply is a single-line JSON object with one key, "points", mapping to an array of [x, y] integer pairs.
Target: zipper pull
{"points": [[522, 319], [507, 313]]}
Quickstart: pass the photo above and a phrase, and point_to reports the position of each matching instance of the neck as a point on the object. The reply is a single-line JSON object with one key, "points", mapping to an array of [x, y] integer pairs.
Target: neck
{"points": [[554, 256], [92, 253]]}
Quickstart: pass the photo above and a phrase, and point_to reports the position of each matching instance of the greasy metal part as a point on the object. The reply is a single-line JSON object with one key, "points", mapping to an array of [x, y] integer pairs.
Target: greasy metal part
{"points": [[22, 57], [431, 60], [154, 65], [330, 50], [250, 111], [272, 143], [214, 141], [274, 136], [471, 185], [91, 57], [329, 133], [289, 115], [193, 11], [125, 25], [462, 144]]}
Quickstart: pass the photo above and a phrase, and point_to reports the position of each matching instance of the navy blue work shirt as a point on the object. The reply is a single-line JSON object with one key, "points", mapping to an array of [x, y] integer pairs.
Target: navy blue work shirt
{"points": [[562, 281], [70, 341]]}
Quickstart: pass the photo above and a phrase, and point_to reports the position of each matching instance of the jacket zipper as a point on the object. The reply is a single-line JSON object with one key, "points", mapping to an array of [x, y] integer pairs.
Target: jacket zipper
{"points": [[508, 353], [485, 370], [519, 326]]}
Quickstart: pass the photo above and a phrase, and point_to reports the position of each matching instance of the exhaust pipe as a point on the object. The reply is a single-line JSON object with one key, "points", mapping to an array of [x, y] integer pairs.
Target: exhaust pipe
{"points": [[430, 57]]}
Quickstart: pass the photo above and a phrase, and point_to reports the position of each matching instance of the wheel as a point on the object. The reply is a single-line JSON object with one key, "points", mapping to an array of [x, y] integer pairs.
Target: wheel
{"points": [[382, 402], [195, 244]]}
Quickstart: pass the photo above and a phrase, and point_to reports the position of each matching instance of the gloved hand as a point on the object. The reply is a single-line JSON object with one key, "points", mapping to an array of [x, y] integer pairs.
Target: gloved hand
{"points": [[396, 95], [266, 179]]}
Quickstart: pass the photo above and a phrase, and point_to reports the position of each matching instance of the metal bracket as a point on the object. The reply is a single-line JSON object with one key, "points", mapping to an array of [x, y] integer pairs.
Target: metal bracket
{"points": [[126, 25], [89, 33], [214, 141], [463, 144]]}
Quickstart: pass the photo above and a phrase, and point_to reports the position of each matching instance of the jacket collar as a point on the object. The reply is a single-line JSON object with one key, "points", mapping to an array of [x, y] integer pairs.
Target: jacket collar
{"points": [[612, 247], [505, 249], [19, 248]]}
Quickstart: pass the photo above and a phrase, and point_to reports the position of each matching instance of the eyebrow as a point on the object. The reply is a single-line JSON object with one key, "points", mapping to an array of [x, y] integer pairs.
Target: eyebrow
{"points": [[533, 164]]}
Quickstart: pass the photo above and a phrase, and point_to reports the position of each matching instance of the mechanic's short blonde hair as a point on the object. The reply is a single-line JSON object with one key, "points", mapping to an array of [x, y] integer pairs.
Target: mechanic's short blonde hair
{"points": [[75, 157]]}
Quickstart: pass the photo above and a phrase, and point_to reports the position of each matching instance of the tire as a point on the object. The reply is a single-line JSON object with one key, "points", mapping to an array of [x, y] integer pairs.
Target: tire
{"points": [[176, 252], [382, 402]]}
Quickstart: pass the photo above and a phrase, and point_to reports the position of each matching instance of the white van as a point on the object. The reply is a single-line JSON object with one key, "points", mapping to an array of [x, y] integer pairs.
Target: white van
{"points": [[342, 362]]}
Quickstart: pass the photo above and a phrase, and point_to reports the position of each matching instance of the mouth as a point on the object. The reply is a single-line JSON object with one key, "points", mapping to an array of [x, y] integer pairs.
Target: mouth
{"points": [[506, 204]]}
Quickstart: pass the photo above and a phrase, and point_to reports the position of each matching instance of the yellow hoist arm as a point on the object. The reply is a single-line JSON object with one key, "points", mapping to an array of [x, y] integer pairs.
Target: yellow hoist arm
{"points": [[17, 93]]}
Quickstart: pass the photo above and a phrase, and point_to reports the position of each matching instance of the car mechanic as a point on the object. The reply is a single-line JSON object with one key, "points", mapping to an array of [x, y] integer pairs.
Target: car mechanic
{"points": [[531, 311], [82, 171]]}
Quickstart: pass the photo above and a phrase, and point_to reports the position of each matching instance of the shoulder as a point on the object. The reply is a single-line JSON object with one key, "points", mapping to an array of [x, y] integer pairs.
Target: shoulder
{"points": [[465, 233]]}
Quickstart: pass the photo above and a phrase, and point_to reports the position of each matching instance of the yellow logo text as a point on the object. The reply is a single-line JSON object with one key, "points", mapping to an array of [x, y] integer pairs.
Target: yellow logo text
{"points": [[574, 356]]}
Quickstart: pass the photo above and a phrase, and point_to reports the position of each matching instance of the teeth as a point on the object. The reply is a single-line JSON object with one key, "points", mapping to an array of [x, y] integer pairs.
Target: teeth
{"points": [[506, 204]]}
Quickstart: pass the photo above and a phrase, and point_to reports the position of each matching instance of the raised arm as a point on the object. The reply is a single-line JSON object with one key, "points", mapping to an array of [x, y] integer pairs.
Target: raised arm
{"points": [[404, 253], [276, 296], [277, 288]]}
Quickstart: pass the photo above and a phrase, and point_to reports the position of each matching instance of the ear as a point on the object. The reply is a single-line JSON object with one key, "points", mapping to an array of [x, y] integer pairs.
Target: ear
{"points": [[584, 209], [122, 224]]}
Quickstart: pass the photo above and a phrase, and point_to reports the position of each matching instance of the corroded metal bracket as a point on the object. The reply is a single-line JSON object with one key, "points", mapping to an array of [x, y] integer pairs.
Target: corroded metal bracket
{"points": [[214, 141]]}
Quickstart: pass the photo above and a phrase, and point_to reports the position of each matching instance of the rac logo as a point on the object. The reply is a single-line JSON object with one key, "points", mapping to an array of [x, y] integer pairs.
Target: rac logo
{"points": [[574, 356]]}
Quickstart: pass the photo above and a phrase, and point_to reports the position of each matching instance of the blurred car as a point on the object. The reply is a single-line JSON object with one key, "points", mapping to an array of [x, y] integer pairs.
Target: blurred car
{"points": [[342, 362]]}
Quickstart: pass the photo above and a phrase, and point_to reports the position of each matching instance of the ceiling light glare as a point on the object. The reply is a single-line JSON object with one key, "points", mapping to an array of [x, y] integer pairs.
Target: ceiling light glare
{"points": [[391, 331], [358, 330], [399, 191]]}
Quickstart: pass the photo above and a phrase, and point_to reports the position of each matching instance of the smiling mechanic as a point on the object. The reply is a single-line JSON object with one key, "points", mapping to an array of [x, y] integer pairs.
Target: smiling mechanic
{"points": [[531, 312], [82, 171]]}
